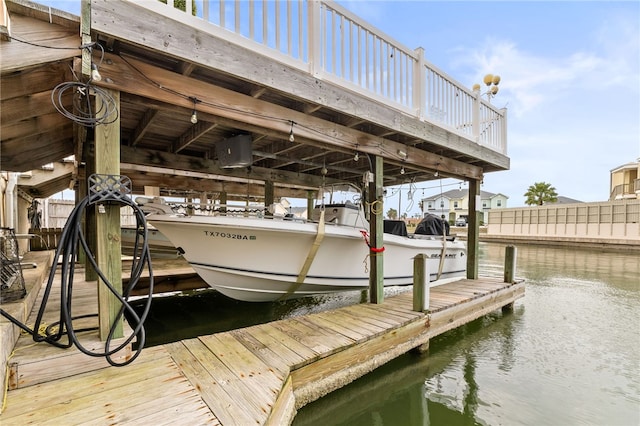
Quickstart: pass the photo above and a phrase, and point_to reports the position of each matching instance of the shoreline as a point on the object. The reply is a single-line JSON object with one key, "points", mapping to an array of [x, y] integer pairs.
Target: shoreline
{"points": [[573, 242]]}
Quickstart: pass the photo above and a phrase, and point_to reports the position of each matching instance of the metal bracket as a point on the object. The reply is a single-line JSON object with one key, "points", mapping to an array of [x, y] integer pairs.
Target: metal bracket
{"points": [[104, 188]]}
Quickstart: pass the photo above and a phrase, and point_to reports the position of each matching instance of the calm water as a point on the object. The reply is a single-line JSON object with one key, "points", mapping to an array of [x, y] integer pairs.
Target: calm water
{"points": [[569, 353]]}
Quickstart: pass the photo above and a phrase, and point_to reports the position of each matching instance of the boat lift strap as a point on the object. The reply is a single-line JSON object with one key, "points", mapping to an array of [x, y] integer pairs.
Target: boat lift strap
{"points": [[310, 257]]}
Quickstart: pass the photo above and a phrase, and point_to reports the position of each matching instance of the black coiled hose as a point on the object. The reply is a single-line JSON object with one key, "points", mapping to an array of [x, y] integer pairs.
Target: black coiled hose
{"points": [[71, 239]]}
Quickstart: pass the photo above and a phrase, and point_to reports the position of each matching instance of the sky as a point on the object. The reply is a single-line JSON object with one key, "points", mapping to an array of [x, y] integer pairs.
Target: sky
{"points": [[570, 80]]}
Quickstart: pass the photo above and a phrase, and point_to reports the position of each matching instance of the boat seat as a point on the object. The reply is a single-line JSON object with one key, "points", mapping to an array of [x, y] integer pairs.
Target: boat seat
{"points": [[395, 227]]}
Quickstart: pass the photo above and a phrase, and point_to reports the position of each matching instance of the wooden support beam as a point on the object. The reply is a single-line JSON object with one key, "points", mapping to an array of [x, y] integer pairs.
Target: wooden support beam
{"points": [[142, 79], [473, 231], [258, 92], [268, 195], [109, 249], [170, 161], [194, 132], [18, 56], [310, 203], [143, 126], [376, 225]]}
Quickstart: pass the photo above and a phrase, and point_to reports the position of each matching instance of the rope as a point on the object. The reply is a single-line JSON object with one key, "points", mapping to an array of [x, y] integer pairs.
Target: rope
{"points": [[310, 257], [365, 235]]}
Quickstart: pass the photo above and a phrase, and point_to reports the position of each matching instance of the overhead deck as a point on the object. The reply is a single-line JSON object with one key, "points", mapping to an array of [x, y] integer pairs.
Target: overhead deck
{"points": [[268, 69]]}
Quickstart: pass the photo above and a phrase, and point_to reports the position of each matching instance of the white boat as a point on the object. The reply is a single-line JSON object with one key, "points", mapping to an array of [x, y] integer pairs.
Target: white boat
{"points": [[260, 258]]}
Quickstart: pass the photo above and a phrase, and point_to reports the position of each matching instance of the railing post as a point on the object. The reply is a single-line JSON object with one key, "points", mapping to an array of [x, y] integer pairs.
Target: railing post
{"points": [[503, 131], [510, 264], [476, 115], [421, 279], [420, 85], [315, 37]]}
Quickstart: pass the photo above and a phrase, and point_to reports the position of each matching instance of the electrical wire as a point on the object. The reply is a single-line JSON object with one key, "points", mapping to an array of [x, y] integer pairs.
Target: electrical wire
{"points": [[83, 112], [72, 238]]}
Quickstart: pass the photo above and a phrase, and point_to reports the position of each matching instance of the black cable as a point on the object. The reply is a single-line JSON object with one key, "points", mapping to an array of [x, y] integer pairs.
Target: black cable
{"points": [[71, 239]]}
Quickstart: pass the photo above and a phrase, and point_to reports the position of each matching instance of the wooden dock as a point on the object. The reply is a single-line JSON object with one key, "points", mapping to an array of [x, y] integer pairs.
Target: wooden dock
{"points": [[255, 375]]}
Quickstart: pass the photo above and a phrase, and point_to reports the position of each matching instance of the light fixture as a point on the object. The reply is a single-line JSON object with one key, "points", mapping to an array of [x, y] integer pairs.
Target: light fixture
{"points": [[491, 81], [291, 137], [95, 75], [356, 157], [436, 174], [402, 170], [194, 114]]}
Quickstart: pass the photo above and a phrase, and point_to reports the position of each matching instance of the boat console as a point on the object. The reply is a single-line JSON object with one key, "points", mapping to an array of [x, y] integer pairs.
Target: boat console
{"points": [[348, 213]]}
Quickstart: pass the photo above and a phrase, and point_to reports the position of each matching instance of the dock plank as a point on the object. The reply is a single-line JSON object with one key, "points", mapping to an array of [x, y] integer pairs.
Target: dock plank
{"points": [[191, 410], [332, 333], [262, 351], [247, 367], [356, 323], [306, 353], [222, 397], [283, 353], [82, 391], [305, 336], [348, 330], [366, 315]]}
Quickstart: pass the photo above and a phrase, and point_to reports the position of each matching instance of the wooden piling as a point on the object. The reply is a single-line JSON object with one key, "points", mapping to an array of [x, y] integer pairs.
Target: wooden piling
{"points": [[510, 264], [509, 271], [420, 283]]}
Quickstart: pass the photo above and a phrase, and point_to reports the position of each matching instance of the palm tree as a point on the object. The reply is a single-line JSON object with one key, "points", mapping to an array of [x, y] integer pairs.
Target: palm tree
{"points": [[540, 193], [392, 214]]}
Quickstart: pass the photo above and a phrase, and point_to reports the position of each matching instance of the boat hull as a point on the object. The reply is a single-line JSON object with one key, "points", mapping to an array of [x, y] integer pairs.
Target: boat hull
{"points": [[259, 260]]}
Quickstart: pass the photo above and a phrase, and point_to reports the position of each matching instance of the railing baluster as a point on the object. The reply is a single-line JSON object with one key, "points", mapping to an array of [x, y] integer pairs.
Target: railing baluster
{"points": [[251, 20], [237, 17], [289, 37], [205, 10], [277, 25], [265, 22], [342, 43], [222, 11]]}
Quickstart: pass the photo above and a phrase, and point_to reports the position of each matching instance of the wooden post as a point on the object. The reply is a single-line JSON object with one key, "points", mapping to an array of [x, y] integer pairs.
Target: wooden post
{"points": [[108, 245], [310, 206], [473, 231], [80, 193], [376, 225], [511, 253], [421, 280], [268, 196], [510, 264], [223, 202]]}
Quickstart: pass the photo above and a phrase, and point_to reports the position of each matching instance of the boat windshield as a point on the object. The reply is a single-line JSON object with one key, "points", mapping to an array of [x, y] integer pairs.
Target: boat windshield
{"points": [[340, 194]]}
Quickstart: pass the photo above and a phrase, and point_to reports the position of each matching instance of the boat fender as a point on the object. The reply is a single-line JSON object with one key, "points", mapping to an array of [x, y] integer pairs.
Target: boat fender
{"points": [[365, 235]]}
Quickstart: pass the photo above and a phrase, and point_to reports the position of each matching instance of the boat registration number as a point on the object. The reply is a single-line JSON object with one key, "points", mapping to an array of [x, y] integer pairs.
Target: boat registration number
{"points": [[229, 235]]}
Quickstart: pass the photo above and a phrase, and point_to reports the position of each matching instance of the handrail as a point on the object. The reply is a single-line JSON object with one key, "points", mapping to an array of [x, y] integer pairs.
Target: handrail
{"points": [[324, 39]]}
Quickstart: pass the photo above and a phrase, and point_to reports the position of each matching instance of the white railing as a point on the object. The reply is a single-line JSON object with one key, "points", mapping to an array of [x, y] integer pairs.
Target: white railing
{"points": [[328, 41]]}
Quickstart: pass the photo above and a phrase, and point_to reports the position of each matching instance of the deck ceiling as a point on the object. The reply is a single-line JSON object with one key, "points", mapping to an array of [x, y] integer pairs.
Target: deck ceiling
{"points": [[161, 147]]}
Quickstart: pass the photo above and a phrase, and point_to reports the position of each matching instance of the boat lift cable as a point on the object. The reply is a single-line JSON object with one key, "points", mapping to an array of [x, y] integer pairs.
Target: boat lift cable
{"points": [[107, 189]]}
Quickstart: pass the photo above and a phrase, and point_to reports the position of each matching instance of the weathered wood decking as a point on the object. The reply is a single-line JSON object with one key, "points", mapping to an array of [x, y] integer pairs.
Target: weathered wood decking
{"points": [[256, 375]]}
